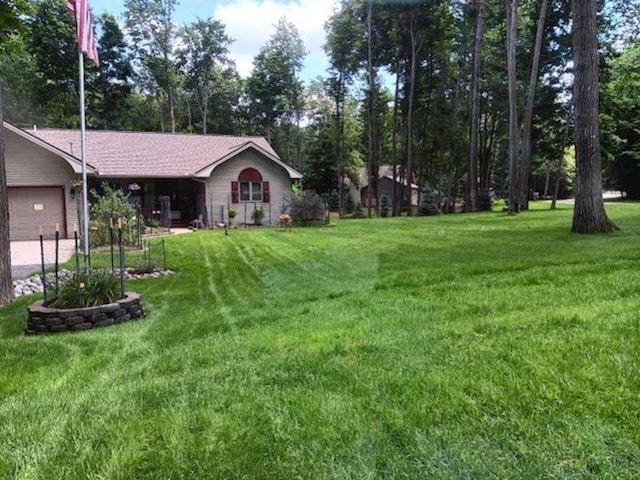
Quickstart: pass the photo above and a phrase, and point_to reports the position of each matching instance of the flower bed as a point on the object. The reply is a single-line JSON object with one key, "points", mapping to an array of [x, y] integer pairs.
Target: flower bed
{"points": [[44, 319], [33, 284]]}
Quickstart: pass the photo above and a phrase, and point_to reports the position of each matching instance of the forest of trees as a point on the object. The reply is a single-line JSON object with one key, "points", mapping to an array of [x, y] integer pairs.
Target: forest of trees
{"points": [[470, 99]]}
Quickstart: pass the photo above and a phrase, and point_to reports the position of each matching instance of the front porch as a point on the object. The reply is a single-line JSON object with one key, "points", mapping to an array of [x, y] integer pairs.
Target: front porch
{"points": [[168, 202]]}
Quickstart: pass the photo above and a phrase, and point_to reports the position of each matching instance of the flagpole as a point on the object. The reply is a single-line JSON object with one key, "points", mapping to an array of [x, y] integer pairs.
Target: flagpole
{"points": [[83, 149]]}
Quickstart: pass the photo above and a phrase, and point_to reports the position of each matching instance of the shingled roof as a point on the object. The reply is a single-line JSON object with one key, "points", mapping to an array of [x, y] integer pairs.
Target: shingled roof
{"points": [[145, 154]]}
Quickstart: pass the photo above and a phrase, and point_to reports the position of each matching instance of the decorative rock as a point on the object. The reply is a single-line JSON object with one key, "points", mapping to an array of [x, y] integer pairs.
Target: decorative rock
{"points": [[124, 318], [83, 326], [112, 307], [74, 320], [98, 317], [33, 284], [53, 321]]}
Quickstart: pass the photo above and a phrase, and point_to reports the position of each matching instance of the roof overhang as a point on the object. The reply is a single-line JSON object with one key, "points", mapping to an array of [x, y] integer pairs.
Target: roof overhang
{"points": [[73, 162], [206, 171]]}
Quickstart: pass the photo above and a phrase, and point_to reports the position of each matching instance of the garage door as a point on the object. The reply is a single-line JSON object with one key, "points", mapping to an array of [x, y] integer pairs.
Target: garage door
{"points": [[32, 207]]}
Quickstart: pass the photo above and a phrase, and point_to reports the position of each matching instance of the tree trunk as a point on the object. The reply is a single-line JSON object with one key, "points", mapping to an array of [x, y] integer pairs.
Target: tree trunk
{"points": [[189, 117], [512, 33], [452, 191], [269, 127], [172, 112], [395, 210], [527, 122], [6, 283], [547, 178], [560, 168], [556, 186], [371, 178], [160, 111], [415, 48], [474, 121], [488, 139], [338, 146], [589, 215], [205, 114]]}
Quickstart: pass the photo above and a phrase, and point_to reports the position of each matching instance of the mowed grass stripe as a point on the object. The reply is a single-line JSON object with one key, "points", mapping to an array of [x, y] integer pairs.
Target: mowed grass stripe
{"points": [[473, 346]]}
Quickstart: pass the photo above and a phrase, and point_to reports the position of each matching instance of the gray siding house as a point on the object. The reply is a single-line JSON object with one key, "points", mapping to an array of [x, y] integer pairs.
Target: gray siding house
{"points": [[173, 178]]}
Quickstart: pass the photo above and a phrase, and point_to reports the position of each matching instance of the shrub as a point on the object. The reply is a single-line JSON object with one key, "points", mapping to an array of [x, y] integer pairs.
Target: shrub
{"points": [[110, 206], [151, 222], [385, 204], [307, 208], [429, 204], [484, 201], [88, 290], [358, 211], [349, 204], [258, 215]]}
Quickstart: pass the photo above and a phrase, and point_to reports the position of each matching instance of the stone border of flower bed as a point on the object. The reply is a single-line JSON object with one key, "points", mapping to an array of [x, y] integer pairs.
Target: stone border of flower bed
{"points": [[44, 320]]}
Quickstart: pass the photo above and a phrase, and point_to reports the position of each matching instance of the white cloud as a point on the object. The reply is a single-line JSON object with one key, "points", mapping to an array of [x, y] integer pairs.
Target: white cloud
{"points": [[251, 23]]}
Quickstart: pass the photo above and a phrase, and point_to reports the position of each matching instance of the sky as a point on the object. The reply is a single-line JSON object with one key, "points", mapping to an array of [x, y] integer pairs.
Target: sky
{"points": [[251, 23]]}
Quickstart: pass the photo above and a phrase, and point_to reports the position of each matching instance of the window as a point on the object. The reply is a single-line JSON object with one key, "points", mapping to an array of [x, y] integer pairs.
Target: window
{"points": [[250, 187], [250, 191]]}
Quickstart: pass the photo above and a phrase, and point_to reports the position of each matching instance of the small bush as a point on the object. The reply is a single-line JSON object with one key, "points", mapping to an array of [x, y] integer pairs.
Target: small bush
{"points": [[258, 215], [349, 204], [151, 222], [88, 290], [484, 201], [429, 204], [307, 208], [111, 206], [358, 211], [385, 205]]}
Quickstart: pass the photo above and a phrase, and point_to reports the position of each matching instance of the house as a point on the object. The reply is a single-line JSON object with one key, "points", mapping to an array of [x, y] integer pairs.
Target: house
{"points": [[174, 178], [385, 186]]}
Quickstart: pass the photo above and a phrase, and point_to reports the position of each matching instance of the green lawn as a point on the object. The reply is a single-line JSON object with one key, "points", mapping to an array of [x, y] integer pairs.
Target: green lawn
{"points": [[464, 346]]}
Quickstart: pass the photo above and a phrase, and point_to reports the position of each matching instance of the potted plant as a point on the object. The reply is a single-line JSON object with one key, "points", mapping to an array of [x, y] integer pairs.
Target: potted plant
{"points": [[258, 215], [232, 214]]}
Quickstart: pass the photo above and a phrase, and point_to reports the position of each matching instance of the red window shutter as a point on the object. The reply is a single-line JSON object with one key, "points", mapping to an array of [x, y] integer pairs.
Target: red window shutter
{"points": [[234, 192], [266, 197]]}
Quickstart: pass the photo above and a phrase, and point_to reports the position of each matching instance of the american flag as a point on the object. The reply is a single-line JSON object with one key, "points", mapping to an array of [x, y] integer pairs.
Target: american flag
{"points": [[79, 10]]}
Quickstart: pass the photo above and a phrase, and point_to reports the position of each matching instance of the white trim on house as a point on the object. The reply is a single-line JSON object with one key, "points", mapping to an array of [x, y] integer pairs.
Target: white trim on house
{"points": [[73, 162], [206, 171]]}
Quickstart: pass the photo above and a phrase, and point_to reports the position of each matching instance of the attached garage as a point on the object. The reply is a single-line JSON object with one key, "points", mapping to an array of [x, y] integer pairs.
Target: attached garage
{"points": [[33, 207], [39, 180]]}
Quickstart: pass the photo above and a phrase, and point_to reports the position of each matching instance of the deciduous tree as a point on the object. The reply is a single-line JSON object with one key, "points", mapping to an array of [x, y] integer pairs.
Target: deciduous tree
{"points": [[274, 87], [150, 25], [203, 60]]}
